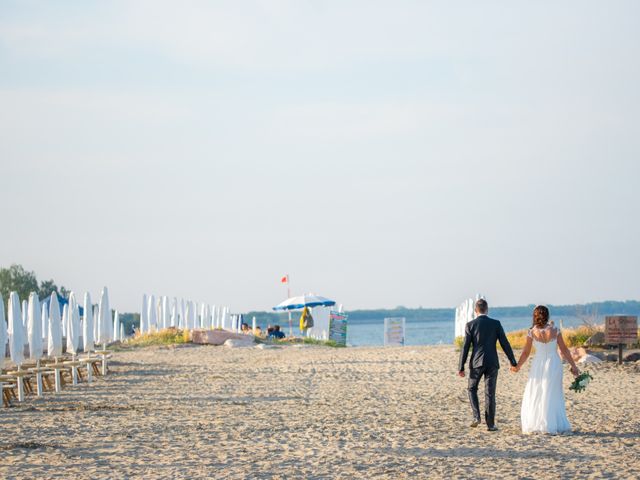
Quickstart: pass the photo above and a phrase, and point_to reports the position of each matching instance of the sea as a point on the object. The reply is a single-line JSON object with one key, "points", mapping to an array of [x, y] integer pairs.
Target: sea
{"points": [[364, 332]]}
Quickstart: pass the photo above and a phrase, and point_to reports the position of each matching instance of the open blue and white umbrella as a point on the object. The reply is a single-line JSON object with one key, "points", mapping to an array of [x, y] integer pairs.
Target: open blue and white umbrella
{"points": [[307, 300]]}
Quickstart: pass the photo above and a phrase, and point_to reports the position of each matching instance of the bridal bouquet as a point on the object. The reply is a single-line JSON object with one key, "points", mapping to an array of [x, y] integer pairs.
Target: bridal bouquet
{"points": [[581, 382]]}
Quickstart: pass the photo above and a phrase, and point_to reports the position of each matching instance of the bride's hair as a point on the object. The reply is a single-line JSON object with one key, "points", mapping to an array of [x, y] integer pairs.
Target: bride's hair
{"points": [[540, 316]]}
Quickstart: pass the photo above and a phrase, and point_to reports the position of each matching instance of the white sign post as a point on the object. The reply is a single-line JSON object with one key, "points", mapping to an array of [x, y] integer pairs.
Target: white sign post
{"points": [[394, 329]]}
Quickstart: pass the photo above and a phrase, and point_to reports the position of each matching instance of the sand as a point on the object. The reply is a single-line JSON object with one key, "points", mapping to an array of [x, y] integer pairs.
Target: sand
{"points": [[311, 412]]}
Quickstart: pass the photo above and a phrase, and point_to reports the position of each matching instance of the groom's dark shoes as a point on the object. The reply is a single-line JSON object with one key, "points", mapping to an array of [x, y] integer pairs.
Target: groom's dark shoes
{"points": [[492, 428]]}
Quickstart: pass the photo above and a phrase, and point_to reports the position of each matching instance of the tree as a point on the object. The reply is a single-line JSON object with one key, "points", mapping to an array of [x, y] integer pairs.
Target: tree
{"points": [[47, 287], [17, 279]]}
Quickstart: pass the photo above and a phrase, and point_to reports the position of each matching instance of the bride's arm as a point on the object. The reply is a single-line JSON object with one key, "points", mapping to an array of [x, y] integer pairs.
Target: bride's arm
{"points": [[525, 354], [567, 355]]}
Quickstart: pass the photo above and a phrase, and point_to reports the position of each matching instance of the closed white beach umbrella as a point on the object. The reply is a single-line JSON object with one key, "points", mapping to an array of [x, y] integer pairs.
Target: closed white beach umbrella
{"points": [[152, 314], [34, 327], [144, 322], [96, 311], [174, 312], [204, 316], [54, 342], [194, 315], [24, 310], [181, 321], [87, 325], [187, 316], [159, 313], [17, 337], [165, 312], [44, 318], [213, 316], [223, 319], [65, 320], [73, 325], [105, 326], [4, 333], [116, 326]]}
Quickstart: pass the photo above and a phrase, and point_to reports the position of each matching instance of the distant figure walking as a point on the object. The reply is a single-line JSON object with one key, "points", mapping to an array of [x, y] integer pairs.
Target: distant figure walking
{"points": [[543, 407], [482, 333]]}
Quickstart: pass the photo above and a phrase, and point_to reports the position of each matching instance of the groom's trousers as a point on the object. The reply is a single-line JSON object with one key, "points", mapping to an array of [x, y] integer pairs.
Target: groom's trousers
{"points": [[490, 379]]}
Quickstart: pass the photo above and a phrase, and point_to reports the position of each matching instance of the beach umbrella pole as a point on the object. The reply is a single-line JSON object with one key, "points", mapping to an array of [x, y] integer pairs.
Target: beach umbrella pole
{"points": [[89, 373], [20, 386], [39, 378], [57, 378], [74, 371], [104, 360]]}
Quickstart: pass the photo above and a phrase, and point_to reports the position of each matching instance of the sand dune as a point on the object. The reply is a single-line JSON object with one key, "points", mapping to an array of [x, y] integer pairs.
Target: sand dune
{"points": [[311, 412]]}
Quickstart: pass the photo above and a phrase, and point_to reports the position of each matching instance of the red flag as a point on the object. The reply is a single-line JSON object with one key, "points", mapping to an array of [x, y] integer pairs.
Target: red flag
{"points": [[285, 279]]}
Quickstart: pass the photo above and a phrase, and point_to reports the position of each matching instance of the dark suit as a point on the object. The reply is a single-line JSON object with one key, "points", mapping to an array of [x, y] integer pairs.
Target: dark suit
{"points": [[483, 333]]}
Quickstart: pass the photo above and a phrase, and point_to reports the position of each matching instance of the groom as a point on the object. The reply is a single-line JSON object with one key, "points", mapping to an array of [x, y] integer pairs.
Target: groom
{"points": [[482, 333]]}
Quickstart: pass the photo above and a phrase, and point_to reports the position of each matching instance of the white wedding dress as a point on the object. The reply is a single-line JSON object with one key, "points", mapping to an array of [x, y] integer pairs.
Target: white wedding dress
{"points": [[543, 402]]}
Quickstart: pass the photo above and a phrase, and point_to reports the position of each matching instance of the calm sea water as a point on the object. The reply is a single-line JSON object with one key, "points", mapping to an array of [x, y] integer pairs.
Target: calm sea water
{"points": [[423, 332], [431, 332]]}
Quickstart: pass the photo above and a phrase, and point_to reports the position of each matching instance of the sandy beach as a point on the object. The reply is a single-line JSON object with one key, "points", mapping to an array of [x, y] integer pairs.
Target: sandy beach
{"points": [[311, 412]]}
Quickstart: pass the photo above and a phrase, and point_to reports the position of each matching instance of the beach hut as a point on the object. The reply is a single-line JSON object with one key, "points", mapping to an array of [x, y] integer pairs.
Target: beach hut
{"points": [[17, 341]]}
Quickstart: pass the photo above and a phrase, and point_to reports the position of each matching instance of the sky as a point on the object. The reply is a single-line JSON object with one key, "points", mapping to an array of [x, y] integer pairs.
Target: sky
{"points": [[380, 153]]}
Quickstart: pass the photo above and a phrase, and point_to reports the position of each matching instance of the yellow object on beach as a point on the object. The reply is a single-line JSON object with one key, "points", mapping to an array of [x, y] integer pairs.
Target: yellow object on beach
{"points": [[306, 320]]}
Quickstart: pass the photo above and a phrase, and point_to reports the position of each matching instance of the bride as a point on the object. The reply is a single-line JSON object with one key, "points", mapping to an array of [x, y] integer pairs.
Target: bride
{"points": [[543, 402]]}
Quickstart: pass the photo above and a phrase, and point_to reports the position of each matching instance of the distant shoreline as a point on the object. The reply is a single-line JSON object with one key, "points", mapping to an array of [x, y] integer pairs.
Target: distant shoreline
{"points": [[588, 311]]}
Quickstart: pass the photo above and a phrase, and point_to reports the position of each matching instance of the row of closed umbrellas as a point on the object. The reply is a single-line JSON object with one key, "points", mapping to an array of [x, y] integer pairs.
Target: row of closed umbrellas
{"points": [[44, 324], [159, 313]]}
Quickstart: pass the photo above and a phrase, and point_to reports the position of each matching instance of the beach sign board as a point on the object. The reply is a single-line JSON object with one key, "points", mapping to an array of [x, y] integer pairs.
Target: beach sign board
{"points": [[394, 331], [338, 328], [621, 329]]}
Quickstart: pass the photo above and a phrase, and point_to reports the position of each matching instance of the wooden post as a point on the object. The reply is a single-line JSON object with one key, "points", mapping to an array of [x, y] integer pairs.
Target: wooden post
{"points": [[620, 347]]}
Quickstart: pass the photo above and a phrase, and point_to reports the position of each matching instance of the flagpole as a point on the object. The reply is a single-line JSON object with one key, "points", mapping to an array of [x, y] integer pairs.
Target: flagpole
{"points": [[289, 296]]}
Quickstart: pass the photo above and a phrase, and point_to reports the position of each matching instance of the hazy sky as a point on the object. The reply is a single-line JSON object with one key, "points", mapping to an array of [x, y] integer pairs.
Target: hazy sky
{"points": [[381, 153]]}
